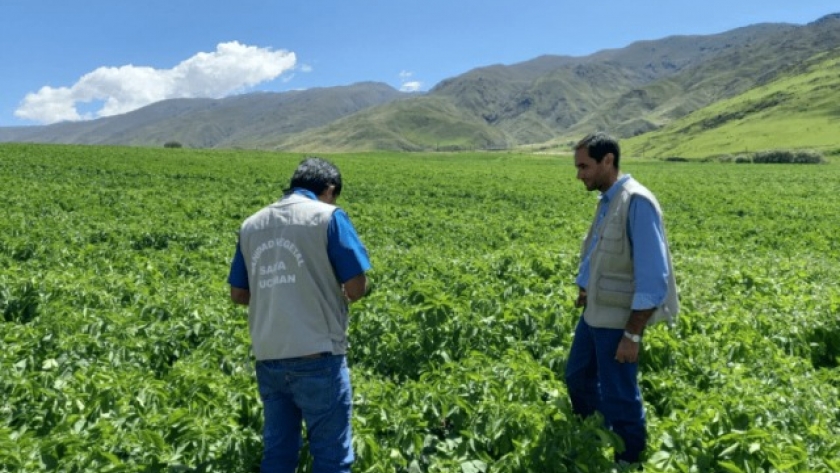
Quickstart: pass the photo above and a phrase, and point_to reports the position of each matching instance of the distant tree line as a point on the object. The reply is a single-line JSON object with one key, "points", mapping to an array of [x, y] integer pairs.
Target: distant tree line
{"points": [[788, 156], [774, 156]]}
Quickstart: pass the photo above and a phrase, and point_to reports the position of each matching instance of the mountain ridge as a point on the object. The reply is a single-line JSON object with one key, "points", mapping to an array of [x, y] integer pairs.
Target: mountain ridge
{"points": [[542, 102]]}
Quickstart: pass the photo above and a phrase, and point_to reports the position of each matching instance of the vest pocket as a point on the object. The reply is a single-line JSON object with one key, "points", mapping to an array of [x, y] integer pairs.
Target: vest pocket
{"points": [[615, 290], [612, 239]]}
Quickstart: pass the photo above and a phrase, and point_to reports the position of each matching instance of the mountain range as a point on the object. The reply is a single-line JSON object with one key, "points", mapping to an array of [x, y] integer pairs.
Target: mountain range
{"points": [[642, 90]]}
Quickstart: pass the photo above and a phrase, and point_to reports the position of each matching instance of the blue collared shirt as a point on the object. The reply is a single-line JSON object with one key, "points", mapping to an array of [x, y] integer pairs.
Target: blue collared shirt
{"points": [[647, 244], [347, 254]]}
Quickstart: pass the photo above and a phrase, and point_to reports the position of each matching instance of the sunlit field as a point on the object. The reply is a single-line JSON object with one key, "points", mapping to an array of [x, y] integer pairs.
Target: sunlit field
{"points": [[122, 352]]}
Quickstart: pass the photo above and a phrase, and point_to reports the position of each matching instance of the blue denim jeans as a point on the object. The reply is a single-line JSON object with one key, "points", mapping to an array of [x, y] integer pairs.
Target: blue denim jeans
{"points": [[596, 382], [314, 391]]}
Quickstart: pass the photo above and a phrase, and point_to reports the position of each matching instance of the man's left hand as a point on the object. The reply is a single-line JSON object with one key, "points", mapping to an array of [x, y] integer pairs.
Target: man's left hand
{"points": [[628, 351]]}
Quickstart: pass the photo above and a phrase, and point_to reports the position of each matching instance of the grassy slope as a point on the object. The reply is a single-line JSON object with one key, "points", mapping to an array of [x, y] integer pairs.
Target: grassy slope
{"points": [[800, 110], [424, 123]]}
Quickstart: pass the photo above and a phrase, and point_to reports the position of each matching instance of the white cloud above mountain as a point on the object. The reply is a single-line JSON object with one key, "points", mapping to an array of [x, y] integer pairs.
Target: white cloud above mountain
{"points": [[106, 91], [408, 85]]}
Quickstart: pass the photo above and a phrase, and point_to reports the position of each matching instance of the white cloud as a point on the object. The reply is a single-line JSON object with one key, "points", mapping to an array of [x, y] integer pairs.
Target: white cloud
{"points": [[412, 86], [304, 68], [233, 67], [409, 85]]}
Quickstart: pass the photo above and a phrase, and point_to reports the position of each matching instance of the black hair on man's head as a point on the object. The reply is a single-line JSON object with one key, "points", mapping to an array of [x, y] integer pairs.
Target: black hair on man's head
{"points": [[316, 174], [598, 145]]}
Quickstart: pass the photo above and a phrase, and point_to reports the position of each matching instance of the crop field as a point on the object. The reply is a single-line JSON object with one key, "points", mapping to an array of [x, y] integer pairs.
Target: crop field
{"points": [[120, 349]]}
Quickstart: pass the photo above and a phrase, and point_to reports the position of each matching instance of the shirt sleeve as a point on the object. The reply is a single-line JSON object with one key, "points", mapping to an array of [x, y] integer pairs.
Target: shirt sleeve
{"points": [[348, 255], [238, 276], [650, 258]]}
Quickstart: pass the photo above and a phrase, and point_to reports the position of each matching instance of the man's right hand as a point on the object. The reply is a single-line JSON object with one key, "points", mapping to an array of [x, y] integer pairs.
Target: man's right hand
{"points": [[356, 288], [581, 299], [240, 296]]}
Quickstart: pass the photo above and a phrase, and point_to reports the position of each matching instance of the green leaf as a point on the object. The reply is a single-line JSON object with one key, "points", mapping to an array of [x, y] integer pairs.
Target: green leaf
{"points": [[730, 467], [111, 458], [414, 467], [473, 466]]}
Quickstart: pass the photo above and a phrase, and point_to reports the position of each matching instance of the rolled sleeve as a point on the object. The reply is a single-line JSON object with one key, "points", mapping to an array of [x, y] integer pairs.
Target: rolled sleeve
{"points": [[650, 259], [238, 276], [347, 254]]}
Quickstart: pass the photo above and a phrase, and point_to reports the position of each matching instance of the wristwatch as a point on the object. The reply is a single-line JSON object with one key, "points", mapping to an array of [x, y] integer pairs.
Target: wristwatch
{"points": [[633, 337]]}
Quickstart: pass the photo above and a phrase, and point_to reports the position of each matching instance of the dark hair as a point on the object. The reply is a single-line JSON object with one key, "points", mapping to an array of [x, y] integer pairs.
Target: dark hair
{"points": [[316, 174], [599, 145]]}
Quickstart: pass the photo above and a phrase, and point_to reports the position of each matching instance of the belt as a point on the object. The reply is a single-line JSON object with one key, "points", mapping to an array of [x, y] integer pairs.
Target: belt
{"points": [[323, 354], [313, 356]]}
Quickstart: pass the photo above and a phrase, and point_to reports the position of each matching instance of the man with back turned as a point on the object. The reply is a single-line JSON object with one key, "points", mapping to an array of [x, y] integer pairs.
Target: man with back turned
{"points": [[298, 264]]}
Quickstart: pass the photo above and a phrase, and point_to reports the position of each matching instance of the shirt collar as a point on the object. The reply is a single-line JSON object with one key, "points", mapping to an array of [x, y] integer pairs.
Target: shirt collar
{"points": [[613, 190], [305, 192]]}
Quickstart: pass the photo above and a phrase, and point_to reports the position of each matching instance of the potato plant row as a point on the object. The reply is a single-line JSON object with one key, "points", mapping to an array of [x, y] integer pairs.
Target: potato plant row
{"points": [[120, 351]]}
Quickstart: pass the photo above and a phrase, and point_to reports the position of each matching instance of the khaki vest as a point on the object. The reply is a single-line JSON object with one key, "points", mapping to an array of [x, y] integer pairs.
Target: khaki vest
{"points": [[611, 281], [297, 305]]}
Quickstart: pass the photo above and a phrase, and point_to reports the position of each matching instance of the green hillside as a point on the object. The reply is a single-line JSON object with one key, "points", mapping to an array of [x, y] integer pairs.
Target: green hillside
{"points": [[423, 123], [800, 110]]}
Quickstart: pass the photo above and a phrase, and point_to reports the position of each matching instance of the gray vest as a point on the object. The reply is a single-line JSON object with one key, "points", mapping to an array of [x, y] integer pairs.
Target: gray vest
{"points": [[611, 281], [297, 305]]}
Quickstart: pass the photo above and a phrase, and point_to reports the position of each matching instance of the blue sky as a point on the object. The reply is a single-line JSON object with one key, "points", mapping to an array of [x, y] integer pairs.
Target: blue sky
{"points": [[83, 59]]}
